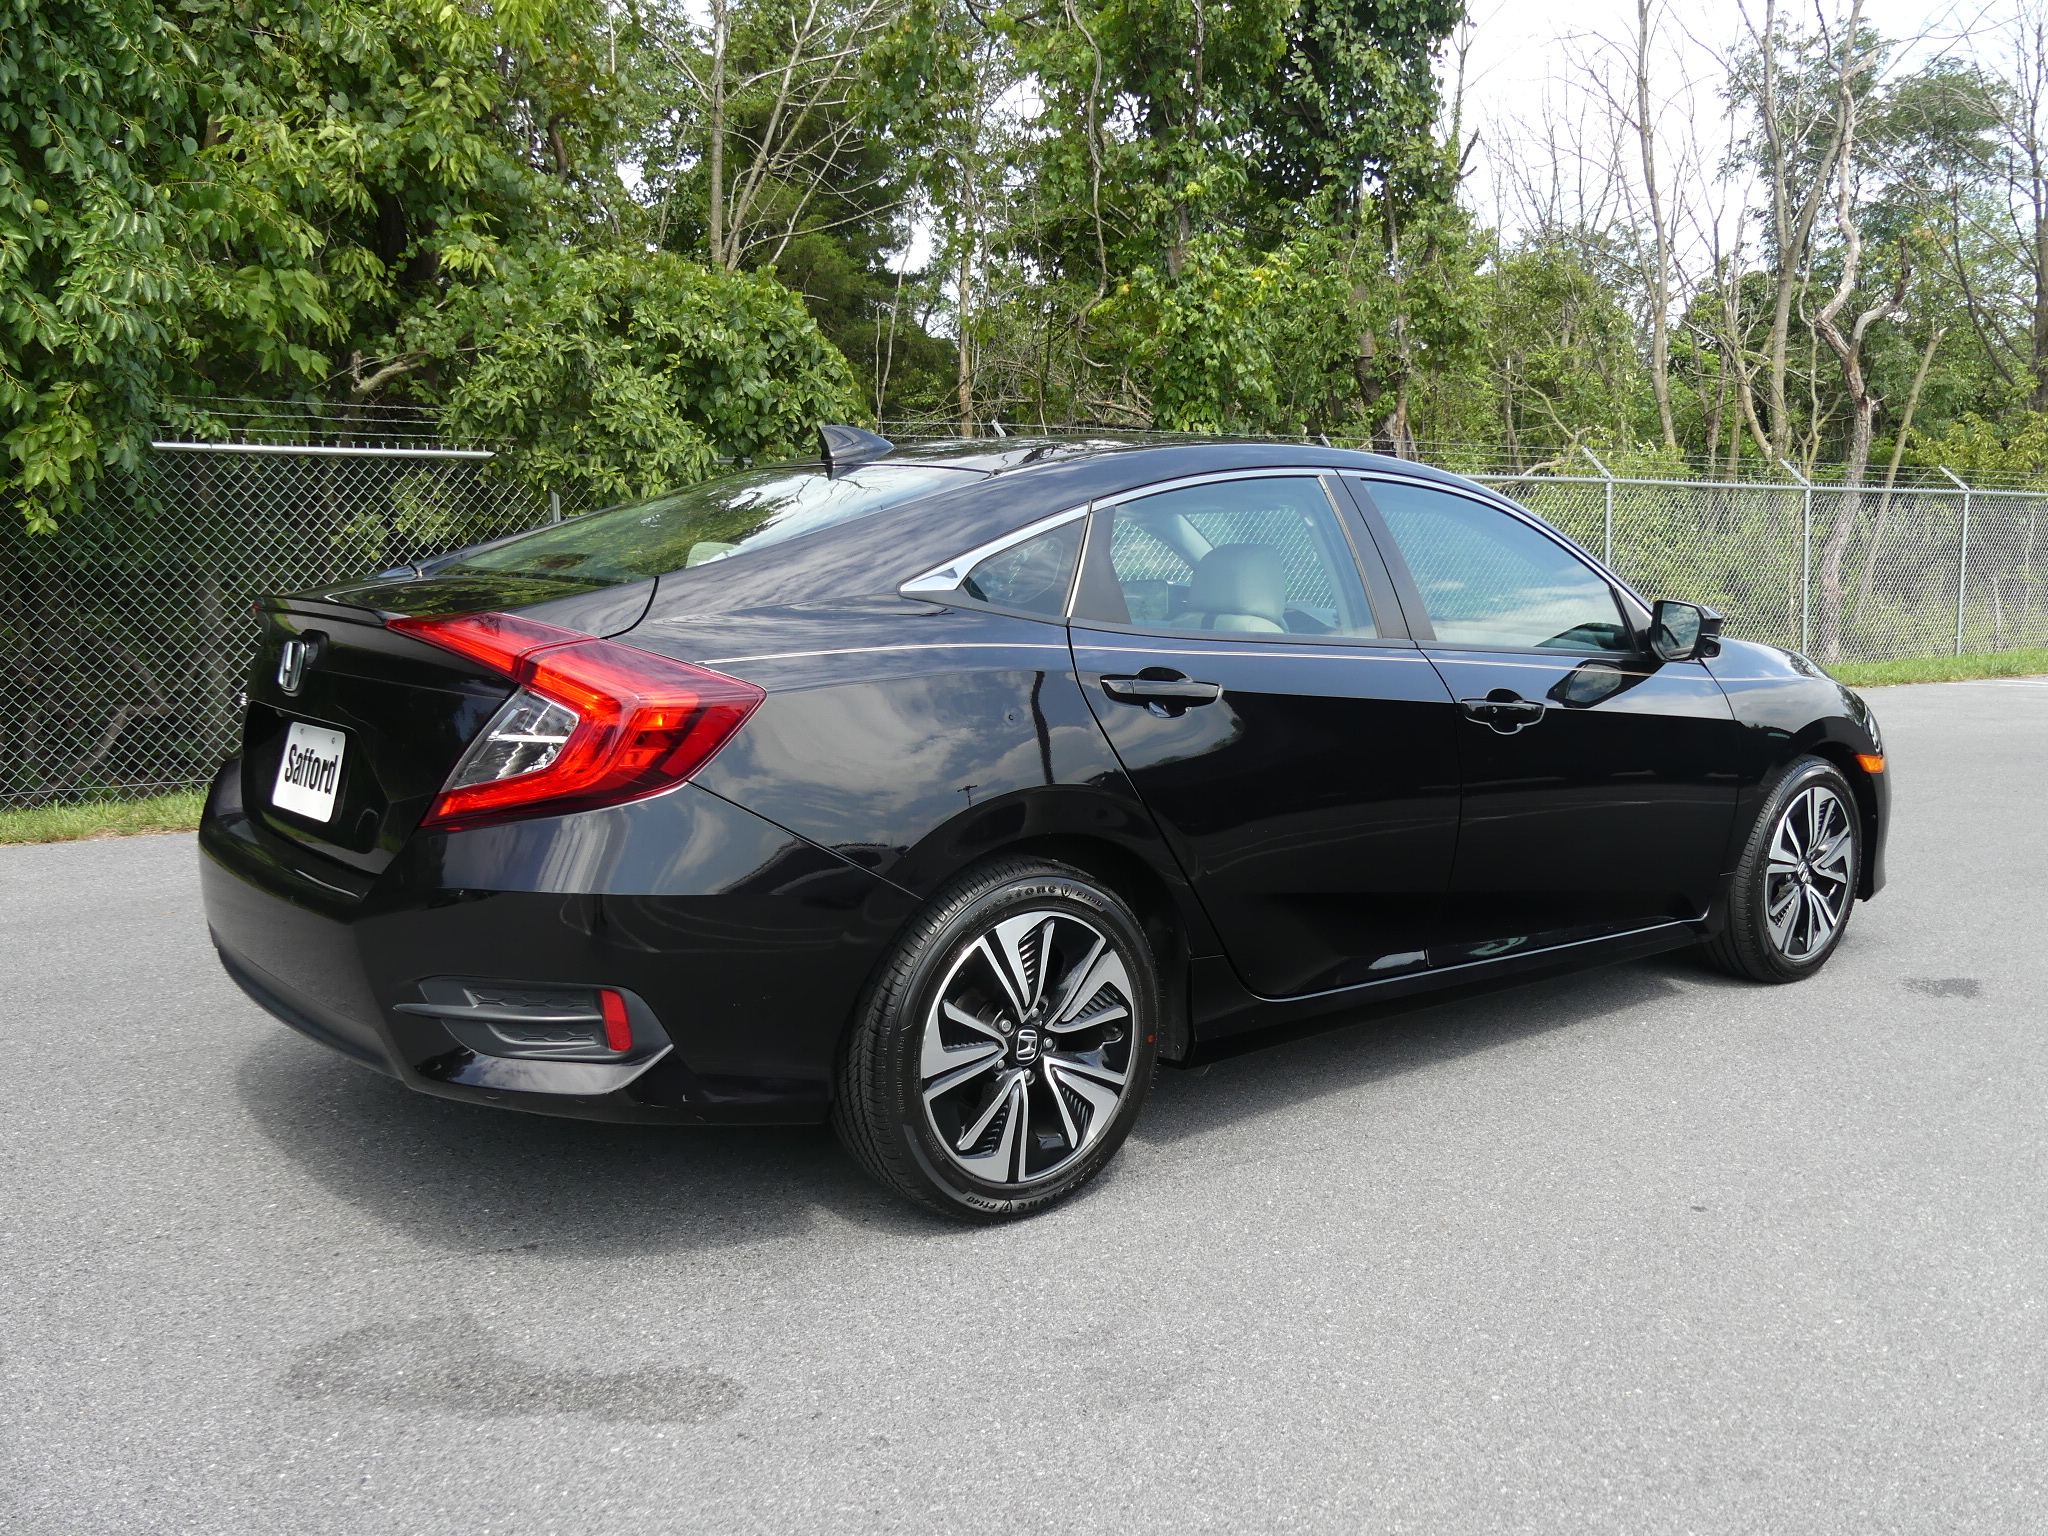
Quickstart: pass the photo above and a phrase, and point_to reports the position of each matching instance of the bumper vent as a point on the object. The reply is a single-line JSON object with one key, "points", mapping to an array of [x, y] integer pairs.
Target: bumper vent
{"points": [[541, 1022]]}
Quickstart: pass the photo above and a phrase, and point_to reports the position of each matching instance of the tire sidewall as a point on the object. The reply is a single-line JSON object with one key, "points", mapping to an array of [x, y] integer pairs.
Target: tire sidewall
{"points": [[1803, 775], [902, 1019]]}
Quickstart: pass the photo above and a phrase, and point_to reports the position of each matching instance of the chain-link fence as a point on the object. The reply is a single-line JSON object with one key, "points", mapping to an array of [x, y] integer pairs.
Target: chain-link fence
{"points": [[1862, 575], [124, 637]]}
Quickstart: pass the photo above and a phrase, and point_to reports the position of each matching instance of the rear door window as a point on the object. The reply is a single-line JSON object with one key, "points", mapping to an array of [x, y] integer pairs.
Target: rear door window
{"points": [[1262, 555], [713, 521]]}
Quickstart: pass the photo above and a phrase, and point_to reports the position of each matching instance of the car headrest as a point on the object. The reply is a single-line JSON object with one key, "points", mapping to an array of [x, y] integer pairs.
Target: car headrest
{"points": [[1236, 583]]}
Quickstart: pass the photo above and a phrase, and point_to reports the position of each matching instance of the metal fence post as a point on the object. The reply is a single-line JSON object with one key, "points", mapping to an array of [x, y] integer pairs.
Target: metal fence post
{"points": [[1805, 555], [554, 506], [1607, 553], [1962, 550]]}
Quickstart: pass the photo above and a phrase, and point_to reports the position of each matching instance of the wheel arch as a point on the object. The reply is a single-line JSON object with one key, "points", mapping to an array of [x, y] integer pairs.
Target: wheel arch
{"points": [[1159, 912], [1173, 924], [1843, 757]]}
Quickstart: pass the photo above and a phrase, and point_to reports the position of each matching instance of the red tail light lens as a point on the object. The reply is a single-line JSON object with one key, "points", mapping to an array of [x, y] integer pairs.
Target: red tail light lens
{"points": [[641, 723]]}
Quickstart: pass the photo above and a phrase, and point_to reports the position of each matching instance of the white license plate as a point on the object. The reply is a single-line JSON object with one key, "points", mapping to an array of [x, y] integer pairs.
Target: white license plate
{"points": [[310, 772]]}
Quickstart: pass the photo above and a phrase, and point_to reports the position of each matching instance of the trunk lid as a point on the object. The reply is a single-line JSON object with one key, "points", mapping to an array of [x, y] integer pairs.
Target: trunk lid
{"points": [[365, 722]]}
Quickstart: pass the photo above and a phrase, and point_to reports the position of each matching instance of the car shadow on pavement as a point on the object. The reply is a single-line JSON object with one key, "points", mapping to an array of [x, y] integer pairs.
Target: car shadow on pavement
{"points": [[473, 1179], [1387, 1044]]}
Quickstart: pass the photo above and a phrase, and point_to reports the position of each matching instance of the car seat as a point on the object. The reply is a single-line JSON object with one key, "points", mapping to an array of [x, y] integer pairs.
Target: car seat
{"points": [[1239, 587]]}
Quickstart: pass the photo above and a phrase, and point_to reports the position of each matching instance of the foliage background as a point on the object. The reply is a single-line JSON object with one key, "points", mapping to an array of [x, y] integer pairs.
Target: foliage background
{"points": [[623, 240]]}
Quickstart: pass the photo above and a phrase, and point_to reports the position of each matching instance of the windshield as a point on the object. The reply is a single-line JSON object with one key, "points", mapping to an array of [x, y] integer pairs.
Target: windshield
{"points": [[707, 522]]}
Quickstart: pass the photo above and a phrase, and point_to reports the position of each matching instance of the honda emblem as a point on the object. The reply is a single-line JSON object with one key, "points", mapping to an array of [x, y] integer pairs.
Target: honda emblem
{"points": [[291, 666]]}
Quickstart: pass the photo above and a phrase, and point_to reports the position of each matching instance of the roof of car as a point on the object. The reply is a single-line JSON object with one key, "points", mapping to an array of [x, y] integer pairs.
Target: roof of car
{"points": [[1006, 454]]}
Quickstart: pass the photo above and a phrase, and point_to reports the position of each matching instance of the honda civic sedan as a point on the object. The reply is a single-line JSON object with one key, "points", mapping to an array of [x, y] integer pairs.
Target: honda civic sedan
{"points": [[944, 792]]}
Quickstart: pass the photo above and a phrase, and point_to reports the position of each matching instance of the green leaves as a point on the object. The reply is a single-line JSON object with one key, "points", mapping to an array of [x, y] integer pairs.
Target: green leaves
{"points": [[89, 258], [235, 197], [618, 373]]}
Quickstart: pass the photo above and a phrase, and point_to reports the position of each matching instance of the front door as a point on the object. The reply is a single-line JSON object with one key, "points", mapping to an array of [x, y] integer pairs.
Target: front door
{"points": [[1599, 783], [1296, 748]]}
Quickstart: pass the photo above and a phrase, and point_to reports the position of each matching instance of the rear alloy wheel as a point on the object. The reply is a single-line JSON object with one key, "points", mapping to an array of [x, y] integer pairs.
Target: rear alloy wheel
{"points": [[1795, 885], [1002, 1056]]}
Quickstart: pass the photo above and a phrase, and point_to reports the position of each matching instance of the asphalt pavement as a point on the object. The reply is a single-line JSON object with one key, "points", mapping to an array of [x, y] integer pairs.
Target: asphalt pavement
{"points": [[1639, 1251]]}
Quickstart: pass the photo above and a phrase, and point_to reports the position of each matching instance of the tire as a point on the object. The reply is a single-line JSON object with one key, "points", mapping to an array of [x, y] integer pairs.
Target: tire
{"points": [[1001, 1056], [1794, 887]]}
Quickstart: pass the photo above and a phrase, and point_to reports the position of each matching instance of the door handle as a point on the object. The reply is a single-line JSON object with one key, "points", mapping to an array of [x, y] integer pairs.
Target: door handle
{"points": [[1503, 710], [1161, 689]]}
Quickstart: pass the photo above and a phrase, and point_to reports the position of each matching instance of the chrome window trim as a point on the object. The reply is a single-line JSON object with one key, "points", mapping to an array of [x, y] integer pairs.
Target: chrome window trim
{"points": [[942, 582], [1211, 476]]}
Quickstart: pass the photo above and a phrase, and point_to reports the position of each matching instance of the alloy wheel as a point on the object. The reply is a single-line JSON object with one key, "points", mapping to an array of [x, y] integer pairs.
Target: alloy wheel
{"points": [[1027, 1047], [1810, 876]]}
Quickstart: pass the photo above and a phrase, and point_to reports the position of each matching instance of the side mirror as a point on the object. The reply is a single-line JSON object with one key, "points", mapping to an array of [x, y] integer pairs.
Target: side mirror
{"points": [[1684, 631]]}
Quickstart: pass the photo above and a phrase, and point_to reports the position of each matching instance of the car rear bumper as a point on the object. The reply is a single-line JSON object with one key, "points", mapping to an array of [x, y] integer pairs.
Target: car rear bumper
{"points": [[744, 946]]}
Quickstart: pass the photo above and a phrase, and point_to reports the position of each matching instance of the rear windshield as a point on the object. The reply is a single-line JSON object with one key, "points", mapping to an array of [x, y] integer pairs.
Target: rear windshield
{"points": [[707, 522]]}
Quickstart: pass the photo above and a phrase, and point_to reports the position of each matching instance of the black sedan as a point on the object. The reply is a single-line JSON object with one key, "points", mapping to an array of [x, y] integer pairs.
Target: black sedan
{"points": [[944, 792]]}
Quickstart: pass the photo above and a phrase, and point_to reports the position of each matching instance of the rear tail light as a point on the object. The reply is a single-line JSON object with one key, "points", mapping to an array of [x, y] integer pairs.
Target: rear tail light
{"points": [[593, 723]]}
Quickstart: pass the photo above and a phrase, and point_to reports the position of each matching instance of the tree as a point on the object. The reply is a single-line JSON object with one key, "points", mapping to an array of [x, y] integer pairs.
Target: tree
{"points": [[343, 201], [615, 374], [94, 105]]}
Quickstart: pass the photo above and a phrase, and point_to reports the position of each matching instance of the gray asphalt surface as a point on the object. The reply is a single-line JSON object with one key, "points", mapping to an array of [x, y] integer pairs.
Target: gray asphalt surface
{"points": [[1640, 1251]]}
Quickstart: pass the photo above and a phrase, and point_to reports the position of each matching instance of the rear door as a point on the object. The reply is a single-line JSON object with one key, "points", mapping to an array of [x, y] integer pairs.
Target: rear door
{"points": [[1599, 783], [1295, 746]]}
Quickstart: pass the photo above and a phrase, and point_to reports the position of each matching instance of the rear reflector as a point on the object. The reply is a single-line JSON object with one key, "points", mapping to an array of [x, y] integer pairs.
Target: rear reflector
{"points": [[618, 1028], [595, 723], [1870, 762]]}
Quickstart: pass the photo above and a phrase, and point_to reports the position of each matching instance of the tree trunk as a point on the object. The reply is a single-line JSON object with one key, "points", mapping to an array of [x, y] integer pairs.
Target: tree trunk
{"points": [[966, 362], [1793, 217], [1891, 476], [1660, 292], [2039, 398], [1183, 223], [714, 149], [1847, 348], [1827, 630]]}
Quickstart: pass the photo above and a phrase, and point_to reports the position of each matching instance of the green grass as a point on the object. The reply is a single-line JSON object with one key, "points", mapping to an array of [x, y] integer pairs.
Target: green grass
{"points": [[102, 818], [1942, 669]]}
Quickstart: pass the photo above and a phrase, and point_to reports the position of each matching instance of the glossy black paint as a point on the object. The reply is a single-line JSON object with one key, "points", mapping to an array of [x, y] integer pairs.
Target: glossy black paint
{"points": [[1314, 805], [744, 941], [1332, 831], [1786, 707], [1610, 809]]}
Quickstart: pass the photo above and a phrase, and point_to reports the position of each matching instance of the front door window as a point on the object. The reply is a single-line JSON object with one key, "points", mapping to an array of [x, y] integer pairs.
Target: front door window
{"points": [[1489, 579]]}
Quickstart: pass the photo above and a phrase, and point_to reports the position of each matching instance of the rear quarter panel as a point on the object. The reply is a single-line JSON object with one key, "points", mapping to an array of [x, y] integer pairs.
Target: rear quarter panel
{"points": [[914, 739]]}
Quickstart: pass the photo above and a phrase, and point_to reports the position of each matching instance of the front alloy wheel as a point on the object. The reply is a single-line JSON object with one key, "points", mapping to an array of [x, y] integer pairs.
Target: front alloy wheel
{"points": [[1809, 880], [1001, 1057], [1795, 884]]}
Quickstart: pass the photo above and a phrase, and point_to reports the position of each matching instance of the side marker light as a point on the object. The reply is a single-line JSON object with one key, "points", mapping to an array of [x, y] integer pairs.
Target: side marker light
{"points": [[618, 1028], [1870, 762]]}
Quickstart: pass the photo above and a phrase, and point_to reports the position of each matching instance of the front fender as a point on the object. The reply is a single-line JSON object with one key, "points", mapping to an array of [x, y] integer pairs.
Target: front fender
{"points": [[1788, 708]]}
